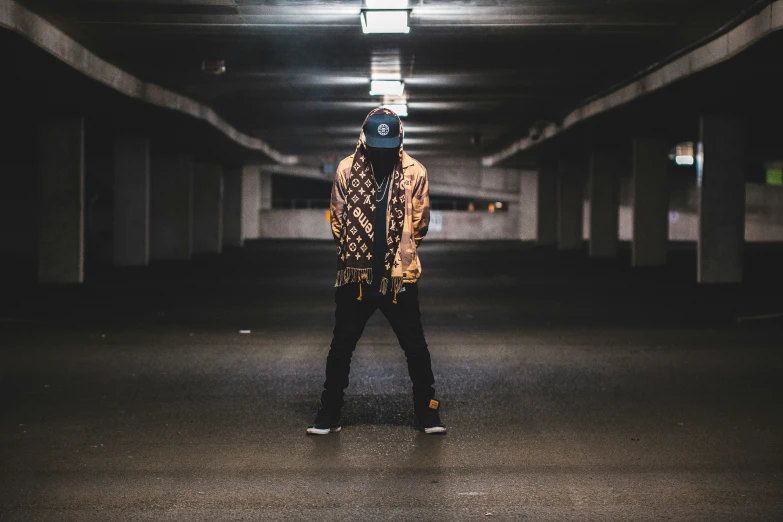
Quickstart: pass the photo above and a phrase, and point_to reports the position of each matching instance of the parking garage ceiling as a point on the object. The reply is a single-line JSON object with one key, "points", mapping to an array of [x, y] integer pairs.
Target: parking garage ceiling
{"points": [[477, 74]]}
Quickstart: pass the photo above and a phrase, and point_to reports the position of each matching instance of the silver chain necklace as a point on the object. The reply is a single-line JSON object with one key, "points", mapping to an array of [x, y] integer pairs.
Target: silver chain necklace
{"points": [[378, 188]]}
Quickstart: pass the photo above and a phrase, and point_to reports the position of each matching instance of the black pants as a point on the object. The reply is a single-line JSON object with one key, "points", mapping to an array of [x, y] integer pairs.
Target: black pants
{"points": [[404, 317]]}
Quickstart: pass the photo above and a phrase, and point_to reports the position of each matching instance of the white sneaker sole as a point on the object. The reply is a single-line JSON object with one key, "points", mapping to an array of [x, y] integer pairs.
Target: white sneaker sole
{"points": [[437, 429], [325, 431]]}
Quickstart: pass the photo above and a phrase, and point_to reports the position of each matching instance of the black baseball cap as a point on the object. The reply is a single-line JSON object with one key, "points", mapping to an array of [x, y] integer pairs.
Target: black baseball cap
{"points": [[382, 131]]}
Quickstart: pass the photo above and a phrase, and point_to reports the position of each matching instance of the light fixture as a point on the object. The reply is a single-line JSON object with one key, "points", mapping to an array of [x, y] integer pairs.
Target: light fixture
{"points": [[682, 159], [386, 4], [385, 65], [683, 153], [213, 67], [386, 87], [385, 21], [400, 109]]}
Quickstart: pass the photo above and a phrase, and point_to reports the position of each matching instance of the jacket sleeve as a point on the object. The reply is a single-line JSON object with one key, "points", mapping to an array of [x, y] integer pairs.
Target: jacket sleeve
{"points": [[421, 207], [336, 205]]}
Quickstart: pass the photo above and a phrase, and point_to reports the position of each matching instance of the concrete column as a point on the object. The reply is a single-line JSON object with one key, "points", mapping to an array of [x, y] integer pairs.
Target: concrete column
{"points": [[604, 200], [207, 208], [251, 202], [266, 191], [61, 209], [241, 205], [650, 199], [528, 205], [721, 200], [547, 204], [171, 207], [232, 208], [131, 200], [570, 204]]}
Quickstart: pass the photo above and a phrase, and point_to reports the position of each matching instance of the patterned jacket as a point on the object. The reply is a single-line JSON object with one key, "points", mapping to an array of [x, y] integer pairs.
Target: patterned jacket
{"points": [[415, 222]]}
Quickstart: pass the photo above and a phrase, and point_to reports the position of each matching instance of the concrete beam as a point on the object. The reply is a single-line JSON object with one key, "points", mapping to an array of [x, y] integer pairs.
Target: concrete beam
{"points": [[721, 238], [650, 200], [55, 42], [244, 14], [131, 200], [61, 207], [719, 50]]}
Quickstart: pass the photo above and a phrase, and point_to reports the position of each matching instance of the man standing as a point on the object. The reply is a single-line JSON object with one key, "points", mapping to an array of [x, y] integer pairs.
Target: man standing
{"points": [[380, 210]]}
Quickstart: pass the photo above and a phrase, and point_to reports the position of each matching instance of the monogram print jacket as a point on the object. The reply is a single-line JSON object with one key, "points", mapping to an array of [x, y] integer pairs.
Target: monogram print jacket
{"points": [[415, 221]]}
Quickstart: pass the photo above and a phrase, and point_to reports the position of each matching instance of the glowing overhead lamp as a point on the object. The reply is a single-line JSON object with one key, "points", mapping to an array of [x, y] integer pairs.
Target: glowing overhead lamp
{"points": [[386, 87], [386, 4], [683, 154], [401, 109], [682, 159], [385, 21]]}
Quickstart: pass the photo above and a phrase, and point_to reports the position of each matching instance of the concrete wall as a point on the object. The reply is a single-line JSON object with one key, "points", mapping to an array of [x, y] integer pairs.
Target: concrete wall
{"points": [[464, 177], [462, 226], [763, 213], [294, 224], [456, 225], [449, 177], [763, 218]]}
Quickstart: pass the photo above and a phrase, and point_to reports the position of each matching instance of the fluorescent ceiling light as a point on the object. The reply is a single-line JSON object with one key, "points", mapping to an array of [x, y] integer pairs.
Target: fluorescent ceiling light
{"points": [[385, 22], [386, 4], [400, 109], [388, 75], [683, 160], [386, 87]]}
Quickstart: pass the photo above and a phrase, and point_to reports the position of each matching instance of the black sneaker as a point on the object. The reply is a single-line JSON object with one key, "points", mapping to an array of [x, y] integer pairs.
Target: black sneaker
{"points": [[428, 417], [327, 420]]}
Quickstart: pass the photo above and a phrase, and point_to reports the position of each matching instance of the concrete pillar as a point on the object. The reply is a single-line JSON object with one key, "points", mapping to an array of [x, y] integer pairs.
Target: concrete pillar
{"points": [[547, 204], [266, 191], [207, 208], [570, 204], [721, 200], [241, 205], [251, 202], [232, 208], [171, 207], [650, 200], [61, 204], [131, 200], [528, 205], [604, 200]]}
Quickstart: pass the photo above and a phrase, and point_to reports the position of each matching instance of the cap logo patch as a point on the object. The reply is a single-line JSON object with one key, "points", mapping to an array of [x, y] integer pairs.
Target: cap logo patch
{"points": [[383, 129]]}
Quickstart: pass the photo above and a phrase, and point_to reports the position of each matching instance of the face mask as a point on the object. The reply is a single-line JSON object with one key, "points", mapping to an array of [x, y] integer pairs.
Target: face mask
{"points": [[382, 160]]}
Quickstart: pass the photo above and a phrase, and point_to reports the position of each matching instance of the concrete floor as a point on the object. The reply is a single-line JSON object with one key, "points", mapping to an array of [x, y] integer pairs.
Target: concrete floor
{"points": [[573, 389]]}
